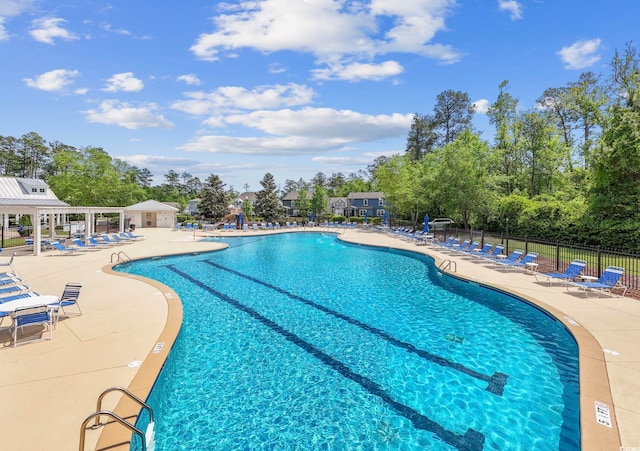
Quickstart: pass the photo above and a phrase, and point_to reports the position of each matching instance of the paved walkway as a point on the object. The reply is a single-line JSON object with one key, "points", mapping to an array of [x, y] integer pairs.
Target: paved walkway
{"points": [[48, 388]]}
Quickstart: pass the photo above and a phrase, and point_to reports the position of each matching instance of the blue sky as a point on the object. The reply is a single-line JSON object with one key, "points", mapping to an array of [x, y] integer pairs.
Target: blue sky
{"points": [[290, 87]]}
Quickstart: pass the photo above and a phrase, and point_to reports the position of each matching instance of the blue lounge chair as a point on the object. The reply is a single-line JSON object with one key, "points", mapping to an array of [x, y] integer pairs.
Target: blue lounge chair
{"points": [[493, 254], [131, 235], [101, 244], [254, 226], [483, 252], [512, 257], [9, 280], [82, 245], [64, 250], [572, 272], [609, 280], [526, 262], [470, 248]]}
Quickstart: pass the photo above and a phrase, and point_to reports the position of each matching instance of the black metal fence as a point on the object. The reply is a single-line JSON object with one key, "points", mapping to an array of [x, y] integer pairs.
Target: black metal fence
{"points": [[556, 256]]}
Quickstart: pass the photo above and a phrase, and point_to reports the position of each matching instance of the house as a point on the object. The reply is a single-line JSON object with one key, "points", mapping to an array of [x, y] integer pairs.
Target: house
{"points": [[247, 195], [369, 204], [192, 206], [338, 206], [289, 202], [152, 213]]}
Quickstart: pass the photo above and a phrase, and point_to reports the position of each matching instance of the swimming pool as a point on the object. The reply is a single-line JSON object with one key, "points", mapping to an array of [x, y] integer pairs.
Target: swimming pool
{"points": [[300, 341]]}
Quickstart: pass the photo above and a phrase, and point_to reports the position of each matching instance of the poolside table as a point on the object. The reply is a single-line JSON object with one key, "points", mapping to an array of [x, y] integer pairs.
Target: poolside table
{"points": [[11, 306]]}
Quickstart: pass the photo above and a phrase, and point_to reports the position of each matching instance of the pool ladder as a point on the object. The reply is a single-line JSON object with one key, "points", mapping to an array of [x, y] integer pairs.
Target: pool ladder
{"points": [[147, 438], [448, 264], [121, 257]]}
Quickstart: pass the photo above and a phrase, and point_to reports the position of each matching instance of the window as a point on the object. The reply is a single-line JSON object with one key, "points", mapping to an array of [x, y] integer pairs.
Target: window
{"points": [[34, 190], [365, 202], [380, 212], [380, 202], [362, 212]]}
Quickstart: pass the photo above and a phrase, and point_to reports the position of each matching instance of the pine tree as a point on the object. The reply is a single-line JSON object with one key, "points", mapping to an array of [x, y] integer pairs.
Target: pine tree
{"points": [[267, 203], [214, 199]]}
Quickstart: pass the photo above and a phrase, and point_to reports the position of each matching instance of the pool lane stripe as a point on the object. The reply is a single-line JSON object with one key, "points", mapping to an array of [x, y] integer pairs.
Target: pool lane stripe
{"points": [[472, 440], [495, 382]]}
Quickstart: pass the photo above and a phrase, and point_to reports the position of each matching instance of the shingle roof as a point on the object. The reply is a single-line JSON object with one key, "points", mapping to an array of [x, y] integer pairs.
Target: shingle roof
{"points": [[150, 205]]}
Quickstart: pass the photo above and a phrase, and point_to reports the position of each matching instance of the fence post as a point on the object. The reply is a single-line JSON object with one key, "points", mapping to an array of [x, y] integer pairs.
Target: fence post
{"points": [[599, 265], [557, 255]]}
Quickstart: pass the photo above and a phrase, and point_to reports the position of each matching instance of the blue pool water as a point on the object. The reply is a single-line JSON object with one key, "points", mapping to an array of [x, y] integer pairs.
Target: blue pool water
{"points": [[302, 342]]}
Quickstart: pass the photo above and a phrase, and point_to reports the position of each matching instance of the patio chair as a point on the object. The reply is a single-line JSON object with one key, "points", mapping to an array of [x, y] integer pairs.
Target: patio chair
{"points": [[609, 280], [68, 298], [572, 272], [100, 244], [9, 280], [31, 316], [107, 239]]}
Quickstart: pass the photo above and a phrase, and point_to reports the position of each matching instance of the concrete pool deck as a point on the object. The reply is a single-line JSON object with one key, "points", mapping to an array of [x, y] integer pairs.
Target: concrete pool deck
{"points": [[48, 388]]}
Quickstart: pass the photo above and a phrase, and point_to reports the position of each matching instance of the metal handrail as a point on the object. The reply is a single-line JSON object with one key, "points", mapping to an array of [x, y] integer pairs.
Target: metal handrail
{"points": [[130, 395], [119, 257], [446, 264], [117, 418]]}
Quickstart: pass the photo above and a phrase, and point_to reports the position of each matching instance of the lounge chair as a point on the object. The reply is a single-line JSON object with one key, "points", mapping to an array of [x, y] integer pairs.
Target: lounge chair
{"points": [[225, 227], [493, 254], [470, 248], [12, 290], [572, 272], [245, 227], [9, 280], [129, 234], [526, 262], [103, 243], [82, 245], [483, 252], [7, 262], [459, 246], [30, 316], [512, 257], [64, 250], [609, 280], [107, 239], [254, 227]]}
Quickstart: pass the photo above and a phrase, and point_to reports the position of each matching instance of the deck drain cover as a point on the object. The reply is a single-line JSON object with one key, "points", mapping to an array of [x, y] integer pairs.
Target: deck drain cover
{"points": [[135, 364]]}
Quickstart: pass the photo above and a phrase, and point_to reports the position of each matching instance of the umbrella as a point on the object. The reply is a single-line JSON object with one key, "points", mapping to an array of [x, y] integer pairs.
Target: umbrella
{"points": [[426, 223], [240, 218], [385, 217]]}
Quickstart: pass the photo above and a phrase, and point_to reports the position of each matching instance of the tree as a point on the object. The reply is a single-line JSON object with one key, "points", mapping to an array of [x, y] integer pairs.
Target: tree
{"points": [[302, 202], [335, 183], [452, 114], [422, 136], [503, 115], [318, 202], [213, 199], [319, 180], [268, 205], [33, 154], [247, 208]]}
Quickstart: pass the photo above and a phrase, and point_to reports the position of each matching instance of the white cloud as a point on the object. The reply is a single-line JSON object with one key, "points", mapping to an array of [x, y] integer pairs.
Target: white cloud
{"points": [[325, 123], [4, 35], [580, 54], [47, 29], [513, 7], [189, 79], [124, 82], [299, 132], [15, 7], [122, 31], [238, 98], [482, 106], [342, 161], [113, 112], [359, 71], [330, 30], [54, 80]]}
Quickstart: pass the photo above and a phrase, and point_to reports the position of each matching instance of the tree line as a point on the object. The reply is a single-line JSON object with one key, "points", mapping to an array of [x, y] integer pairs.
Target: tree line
{"points": [[567, 169]]}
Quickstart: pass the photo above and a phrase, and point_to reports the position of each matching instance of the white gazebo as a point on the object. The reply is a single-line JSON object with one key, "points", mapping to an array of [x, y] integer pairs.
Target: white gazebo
{"points": [[33, 197]]}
